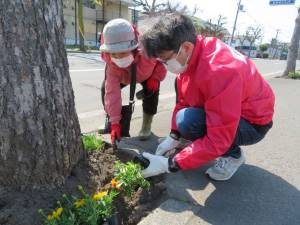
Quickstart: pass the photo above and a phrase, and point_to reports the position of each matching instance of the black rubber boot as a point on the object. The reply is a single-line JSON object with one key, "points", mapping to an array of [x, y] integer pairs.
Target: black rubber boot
{"points": [[107, 127]]}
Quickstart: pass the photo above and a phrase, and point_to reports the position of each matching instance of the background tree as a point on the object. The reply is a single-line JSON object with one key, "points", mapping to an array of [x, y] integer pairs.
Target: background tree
{"points": [[293, 48], [255, 34], [101, 3], [81, 25], [154, 8], [215, 28], [150, 9], [242, 38], [263, 47], [39, 129]]}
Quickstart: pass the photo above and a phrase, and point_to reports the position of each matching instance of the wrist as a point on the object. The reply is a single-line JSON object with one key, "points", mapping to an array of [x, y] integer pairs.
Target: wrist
{"points": [[175, 135], [173, 165]]}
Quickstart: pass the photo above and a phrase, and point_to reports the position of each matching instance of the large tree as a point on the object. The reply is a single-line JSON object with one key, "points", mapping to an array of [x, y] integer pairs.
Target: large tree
{"points": [[39, 129], [293, 48]]}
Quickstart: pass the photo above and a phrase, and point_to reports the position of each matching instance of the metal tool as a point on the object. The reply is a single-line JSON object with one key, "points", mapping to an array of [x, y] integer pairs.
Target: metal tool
{"points": [[137, 158]]}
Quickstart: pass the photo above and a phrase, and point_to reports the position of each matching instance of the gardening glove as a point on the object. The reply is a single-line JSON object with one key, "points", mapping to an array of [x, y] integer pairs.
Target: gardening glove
{"points": [[158, 165], [152, 84], [167, 145], [115, 133]]}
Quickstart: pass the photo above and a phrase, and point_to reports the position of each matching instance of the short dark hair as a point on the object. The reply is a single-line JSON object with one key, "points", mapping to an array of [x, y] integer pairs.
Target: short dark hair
{"points": [[168, 34]]}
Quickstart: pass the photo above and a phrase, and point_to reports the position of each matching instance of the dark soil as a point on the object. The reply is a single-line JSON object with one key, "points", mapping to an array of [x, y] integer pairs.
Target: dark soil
{"points": [[94, 174]]}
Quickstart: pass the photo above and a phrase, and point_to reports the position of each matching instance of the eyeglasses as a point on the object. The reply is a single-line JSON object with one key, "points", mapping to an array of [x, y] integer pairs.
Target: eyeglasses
{"points": [[165, 61]]}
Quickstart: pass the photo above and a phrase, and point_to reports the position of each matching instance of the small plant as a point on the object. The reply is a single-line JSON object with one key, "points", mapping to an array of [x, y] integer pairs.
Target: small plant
{"points": [[94, 209], [88, 210], [91, 142], [294, 75], [128, 177]]}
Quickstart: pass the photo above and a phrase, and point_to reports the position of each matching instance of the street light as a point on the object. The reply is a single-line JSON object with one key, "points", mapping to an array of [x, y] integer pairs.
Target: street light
{"points": [[239, 8]]}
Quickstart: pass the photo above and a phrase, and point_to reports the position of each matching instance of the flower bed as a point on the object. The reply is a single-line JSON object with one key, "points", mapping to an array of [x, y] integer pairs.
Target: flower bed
{"points": [[110, 189]]}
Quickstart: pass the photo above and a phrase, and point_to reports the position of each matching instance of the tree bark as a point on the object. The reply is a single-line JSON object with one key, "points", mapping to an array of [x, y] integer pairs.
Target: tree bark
{"points": [[293, 48], [39, 130]]}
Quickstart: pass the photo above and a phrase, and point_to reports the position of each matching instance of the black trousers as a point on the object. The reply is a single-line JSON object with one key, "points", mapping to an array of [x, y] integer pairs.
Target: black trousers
{"points": [[150, 100]]}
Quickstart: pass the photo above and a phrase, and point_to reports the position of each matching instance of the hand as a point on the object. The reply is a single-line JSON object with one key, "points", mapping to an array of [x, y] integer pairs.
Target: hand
{"points": [[152, 84], [167, 145], [115, 133], [158, 165]]}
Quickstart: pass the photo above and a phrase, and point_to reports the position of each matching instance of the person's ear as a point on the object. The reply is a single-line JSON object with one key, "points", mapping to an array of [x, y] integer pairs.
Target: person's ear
{"points": [[188, 47]]}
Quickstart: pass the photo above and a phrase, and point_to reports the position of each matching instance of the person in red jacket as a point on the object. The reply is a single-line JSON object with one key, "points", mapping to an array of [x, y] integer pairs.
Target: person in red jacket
{"points": [[223, 102], [119, 49]]}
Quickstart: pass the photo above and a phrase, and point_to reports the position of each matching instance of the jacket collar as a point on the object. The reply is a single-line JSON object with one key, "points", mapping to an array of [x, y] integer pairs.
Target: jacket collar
{"points": [[196, 54]]}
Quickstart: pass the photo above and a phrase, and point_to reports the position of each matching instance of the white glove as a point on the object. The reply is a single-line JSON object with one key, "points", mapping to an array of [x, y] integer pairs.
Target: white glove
{"points": [[167, 145], [158, 165]]}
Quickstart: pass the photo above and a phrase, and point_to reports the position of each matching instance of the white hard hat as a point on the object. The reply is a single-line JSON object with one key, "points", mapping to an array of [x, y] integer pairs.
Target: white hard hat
{"points": [[119, 36]]}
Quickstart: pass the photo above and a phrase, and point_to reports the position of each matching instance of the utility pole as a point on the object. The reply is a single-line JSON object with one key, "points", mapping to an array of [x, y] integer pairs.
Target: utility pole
{"points": [[276, 43], [234, 26]]}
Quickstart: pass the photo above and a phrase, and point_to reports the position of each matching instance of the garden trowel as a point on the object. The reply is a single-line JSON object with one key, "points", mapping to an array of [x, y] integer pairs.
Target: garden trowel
{"points": [[136, 157]]}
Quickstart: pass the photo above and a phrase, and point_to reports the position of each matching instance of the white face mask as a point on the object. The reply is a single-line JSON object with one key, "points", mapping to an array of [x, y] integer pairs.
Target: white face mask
{"points": [[123, 62], [174, 66]]}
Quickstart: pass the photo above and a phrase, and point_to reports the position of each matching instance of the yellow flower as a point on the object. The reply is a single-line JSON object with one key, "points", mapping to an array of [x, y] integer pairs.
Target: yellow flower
{"points": [[57, 212], [99, 195], [79, 203], [115, 184], [50, 217]]}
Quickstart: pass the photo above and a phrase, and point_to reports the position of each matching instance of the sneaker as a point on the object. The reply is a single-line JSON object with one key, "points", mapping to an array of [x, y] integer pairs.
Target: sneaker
{"points": [[225, 167]]}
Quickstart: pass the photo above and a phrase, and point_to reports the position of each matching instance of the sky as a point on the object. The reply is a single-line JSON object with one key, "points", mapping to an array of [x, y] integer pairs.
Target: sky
{"points": [[257, 12]]}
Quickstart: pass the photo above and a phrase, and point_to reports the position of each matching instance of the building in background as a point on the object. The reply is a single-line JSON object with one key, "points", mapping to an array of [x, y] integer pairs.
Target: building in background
{"points": [[95, 17], [244, 46]]}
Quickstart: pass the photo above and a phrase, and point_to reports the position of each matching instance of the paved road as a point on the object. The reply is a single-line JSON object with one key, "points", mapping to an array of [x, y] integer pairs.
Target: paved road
{"points": [[87, 74]]}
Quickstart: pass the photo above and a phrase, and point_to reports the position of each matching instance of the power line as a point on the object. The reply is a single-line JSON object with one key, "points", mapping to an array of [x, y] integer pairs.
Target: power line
{"points": [[268, 26]]}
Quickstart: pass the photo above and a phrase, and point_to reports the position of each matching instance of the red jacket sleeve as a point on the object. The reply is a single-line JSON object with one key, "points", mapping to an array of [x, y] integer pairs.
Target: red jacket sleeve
{"points": [[223, 112]]}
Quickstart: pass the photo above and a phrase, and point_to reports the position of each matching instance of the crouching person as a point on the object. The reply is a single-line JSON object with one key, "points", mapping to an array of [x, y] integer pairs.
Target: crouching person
{"points": [[120, 51], [223, 102]]}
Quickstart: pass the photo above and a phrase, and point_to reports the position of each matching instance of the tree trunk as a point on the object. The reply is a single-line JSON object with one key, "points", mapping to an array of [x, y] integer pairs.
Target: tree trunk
{"points": [[75, 10], [39, 129], [293, 48], [81, 26]]}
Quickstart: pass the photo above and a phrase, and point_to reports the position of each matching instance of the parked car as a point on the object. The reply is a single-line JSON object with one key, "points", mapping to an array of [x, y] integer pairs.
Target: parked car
{"points": [[283, 56], [258, 55]]}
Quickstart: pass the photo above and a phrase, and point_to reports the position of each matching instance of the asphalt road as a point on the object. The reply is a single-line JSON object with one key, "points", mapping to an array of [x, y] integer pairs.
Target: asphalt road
{"points": [[87, 74]]}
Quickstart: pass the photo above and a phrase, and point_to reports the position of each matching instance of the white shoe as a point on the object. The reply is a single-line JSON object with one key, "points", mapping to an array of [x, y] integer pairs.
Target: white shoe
{"points": [[225, 167]]}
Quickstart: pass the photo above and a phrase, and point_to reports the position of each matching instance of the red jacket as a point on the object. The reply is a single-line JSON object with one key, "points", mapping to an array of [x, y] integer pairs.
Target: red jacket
{"points": [[145, 68], [228, 86]]}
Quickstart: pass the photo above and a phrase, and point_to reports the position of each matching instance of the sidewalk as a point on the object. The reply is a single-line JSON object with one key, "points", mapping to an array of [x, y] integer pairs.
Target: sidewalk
{"points": [[264, 191]]}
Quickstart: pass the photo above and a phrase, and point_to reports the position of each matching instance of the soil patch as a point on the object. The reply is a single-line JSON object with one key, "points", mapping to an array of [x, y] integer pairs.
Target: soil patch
{"points": [[93, 174]]}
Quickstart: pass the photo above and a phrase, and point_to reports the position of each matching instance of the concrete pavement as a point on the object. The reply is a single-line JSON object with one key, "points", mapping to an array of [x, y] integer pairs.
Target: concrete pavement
{"points": [[264, 191]]}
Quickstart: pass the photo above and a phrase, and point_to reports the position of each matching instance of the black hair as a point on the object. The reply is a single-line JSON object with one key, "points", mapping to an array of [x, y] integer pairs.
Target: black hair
{"points": [[168, 34]]}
